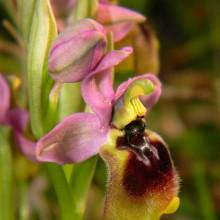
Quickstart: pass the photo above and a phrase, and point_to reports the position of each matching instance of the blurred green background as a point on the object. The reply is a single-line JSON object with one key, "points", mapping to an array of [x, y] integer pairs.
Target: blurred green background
{"points": [[187, 115]]}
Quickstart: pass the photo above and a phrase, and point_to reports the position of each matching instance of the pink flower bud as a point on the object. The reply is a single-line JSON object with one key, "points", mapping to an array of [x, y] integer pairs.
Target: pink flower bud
{"points": [[77, 51]]}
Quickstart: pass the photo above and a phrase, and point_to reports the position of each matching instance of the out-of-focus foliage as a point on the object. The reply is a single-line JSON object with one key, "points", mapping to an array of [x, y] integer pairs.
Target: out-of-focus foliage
{"points": [[187, 116]]}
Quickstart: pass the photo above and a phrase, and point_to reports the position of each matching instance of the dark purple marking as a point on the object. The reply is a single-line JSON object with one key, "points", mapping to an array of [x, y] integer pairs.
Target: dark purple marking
{"points": [[140, 178]]}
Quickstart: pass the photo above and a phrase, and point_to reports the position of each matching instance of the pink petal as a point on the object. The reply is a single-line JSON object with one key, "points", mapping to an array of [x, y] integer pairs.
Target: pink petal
{"points": [[75, 139], [5, 99], [18, 118], [112, 59], [120, 30], [109, 13], [98, 93], [26, 146], [147, 100], [117, 20], [97, 88]]}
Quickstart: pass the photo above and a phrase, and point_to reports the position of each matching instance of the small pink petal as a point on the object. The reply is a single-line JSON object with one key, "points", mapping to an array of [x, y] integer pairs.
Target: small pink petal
{"points": [[5, 99], [75, 139], [112, 59], [120, 30], [118, 20], [97, 91], [147, 100], [109, 14], [18, 118], [26, 146]]}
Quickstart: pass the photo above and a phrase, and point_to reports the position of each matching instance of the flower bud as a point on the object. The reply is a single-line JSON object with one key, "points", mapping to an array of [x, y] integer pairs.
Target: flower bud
{"points": [[146, 49], [77, 51]]}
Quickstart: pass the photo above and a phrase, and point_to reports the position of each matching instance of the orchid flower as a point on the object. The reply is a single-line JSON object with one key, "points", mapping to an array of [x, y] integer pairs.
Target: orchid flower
{"points": [[80, 135], [140, 166], [142, 183], [16, 118]]}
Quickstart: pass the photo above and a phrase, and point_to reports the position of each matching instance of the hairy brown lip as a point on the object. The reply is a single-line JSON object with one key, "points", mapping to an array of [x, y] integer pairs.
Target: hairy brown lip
{"points": [[139, 178]]}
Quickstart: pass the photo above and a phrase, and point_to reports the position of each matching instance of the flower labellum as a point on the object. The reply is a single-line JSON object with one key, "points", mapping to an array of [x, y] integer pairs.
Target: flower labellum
{"points": [[77, 50], [143, 183]]}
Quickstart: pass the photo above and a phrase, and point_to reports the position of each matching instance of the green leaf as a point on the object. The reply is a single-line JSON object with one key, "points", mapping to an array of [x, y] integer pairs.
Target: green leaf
{"points": [[42, 33], [80, 183], [6, 177], [63, 191]]}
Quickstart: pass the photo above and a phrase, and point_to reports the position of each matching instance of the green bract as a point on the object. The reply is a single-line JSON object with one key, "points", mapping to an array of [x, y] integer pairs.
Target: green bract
{"points": [[42, 33]]}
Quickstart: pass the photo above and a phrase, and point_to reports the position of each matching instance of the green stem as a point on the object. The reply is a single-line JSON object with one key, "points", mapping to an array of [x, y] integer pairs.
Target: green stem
{"points": [[52, 109], [6, 177], [23, 204], [70, 100], [63, 191], [80, 181]]}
